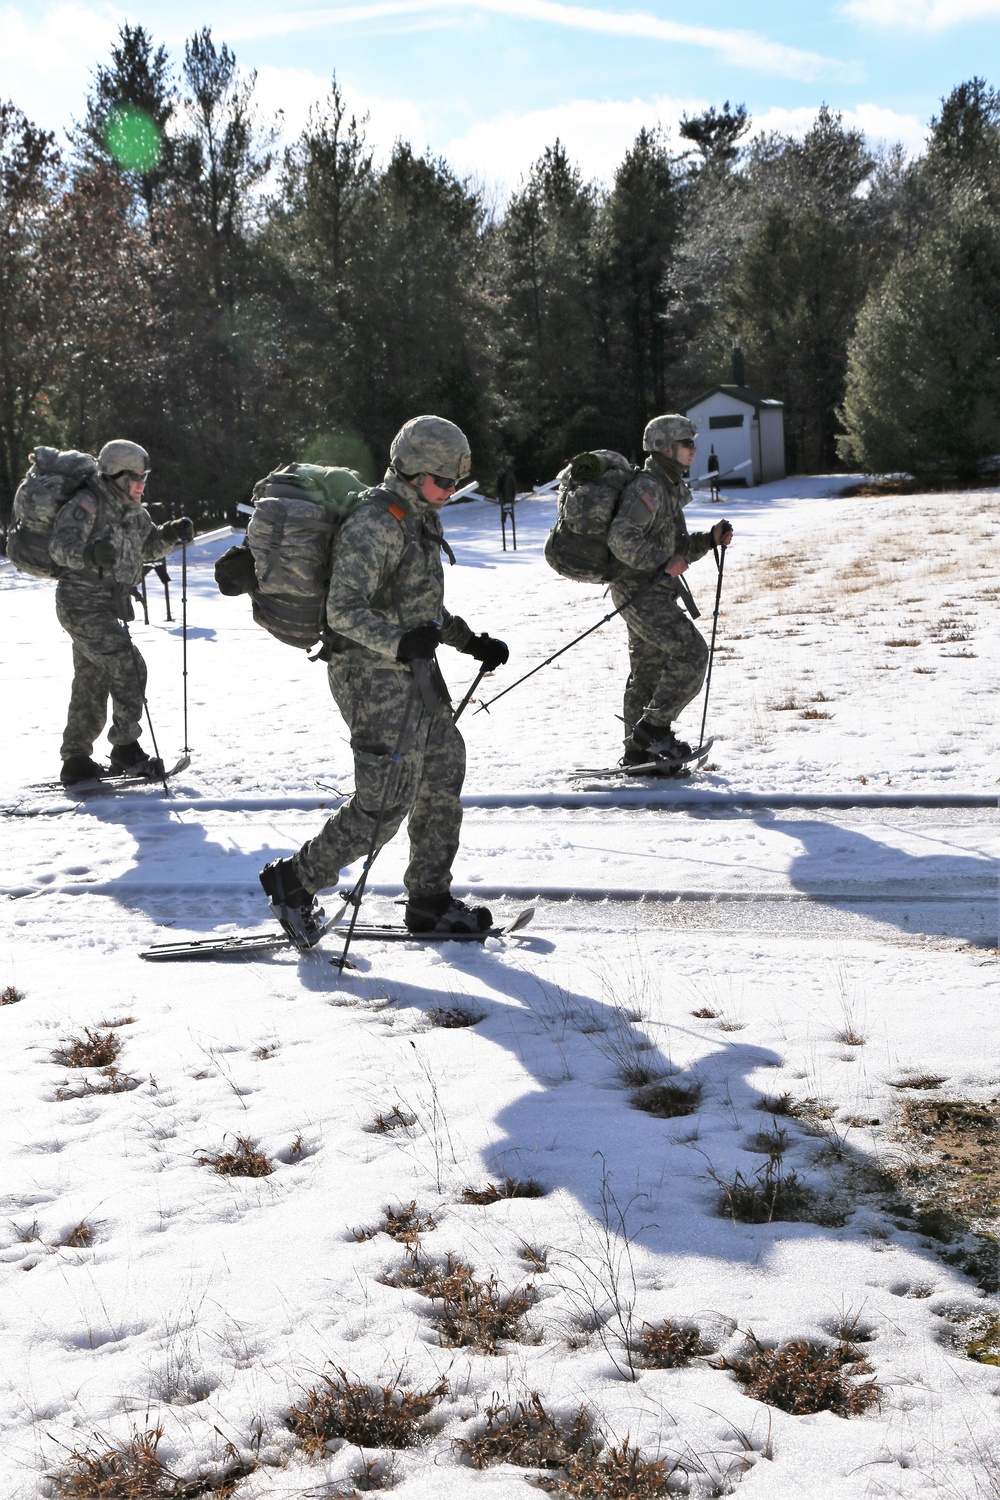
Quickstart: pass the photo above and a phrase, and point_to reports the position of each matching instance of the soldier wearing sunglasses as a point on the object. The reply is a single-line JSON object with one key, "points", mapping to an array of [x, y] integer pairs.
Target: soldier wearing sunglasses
{"points": [[101, 538]]}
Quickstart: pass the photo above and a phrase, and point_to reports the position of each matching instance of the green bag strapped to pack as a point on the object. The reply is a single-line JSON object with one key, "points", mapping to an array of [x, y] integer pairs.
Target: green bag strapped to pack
{"points": [[590, 488], [285, 561], [51, 481]]}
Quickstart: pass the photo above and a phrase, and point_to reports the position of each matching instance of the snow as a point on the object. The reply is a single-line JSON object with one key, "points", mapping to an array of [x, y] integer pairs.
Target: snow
{"points": [[822, 873]]}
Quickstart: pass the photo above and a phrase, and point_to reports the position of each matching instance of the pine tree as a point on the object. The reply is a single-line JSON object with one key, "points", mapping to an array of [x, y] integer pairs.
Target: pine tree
{"points": [[923, 376]]}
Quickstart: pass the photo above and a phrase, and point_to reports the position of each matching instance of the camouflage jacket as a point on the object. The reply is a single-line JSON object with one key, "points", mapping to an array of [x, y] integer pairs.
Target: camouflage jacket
{"points": [[100, 513], [387, 575], [649, 527]]}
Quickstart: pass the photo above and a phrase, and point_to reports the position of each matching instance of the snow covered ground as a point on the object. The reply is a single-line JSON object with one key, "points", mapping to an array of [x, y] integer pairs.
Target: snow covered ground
{"points": [[832, 874]]}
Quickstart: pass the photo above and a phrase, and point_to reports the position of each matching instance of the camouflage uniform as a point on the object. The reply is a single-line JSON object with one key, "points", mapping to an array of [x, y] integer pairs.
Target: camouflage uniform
{"points": [[91, 605], [668, 656], [387, 578]]}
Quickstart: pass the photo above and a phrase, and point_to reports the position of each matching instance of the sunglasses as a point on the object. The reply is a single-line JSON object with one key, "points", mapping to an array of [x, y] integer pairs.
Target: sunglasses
{"points": [[686, 443], [443, 482], [135, 478]]}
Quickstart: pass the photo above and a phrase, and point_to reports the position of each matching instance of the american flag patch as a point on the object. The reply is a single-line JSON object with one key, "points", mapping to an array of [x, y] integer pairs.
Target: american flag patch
{"points": [[86, 504], [648, 499]]}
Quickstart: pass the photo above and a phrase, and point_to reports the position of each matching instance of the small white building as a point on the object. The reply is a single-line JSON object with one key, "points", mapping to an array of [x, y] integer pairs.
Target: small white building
{"points": [[739, 424]]}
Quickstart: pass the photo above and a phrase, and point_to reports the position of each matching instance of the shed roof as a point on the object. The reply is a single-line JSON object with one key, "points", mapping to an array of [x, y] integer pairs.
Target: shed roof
{"points": [[744, 393]]}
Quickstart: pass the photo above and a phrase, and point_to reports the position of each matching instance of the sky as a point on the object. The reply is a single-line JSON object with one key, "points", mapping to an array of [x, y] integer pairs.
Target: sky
{"points": [[489, 83]]}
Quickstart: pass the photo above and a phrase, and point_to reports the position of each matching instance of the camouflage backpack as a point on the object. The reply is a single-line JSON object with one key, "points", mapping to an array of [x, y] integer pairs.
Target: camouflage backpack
{"points": [[52, 479], [286, 560], [590, 488]]}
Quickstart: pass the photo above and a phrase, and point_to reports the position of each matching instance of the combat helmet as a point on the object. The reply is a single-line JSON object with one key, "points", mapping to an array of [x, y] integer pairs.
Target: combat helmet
{"points": [[120, 456], [430, 445], [663, 432]]}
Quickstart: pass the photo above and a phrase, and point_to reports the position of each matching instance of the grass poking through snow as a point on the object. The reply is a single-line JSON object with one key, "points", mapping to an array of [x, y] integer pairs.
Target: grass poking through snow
{"points": [[381, 1416]]}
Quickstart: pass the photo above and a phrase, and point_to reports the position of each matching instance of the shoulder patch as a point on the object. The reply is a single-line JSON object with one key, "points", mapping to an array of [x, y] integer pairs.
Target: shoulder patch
{"points": [[648, 498], [85, 507], [397, 512]]}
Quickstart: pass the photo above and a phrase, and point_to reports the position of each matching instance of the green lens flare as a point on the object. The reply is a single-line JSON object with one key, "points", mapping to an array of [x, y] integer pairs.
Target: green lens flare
{"points": [[133, 138]]}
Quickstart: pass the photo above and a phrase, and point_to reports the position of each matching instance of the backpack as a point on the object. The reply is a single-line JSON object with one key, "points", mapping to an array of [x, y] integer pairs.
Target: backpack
{"points": [[52, 479], [286, 560], [590, 488]]}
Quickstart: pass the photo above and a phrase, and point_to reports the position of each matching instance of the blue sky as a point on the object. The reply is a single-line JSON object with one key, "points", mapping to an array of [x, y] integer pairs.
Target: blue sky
{"points": [[489, 83]]}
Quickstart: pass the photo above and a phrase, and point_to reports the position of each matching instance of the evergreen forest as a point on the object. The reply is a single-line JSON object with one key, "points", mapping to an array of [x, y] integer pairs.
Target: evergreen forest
{"points": [[170, 275]]}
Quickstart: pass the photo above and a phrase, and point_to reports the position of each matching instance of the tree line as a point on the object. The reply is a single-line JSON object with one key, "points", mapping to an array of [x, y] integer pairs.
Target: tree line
{"points": [[171, 276]]}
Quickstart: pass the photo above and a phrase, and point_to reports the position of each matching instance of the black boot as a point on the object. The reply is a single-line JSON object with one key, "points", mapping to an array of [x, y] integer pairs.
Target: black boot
{"points": [[132, 760], [80, 768], [659, 741], [443, 913], [296, 908]]}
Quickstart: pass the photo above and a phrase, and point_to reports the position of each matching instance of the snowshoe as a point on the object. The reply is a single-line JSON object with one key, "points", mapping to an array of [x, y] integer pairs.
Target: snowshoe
{"points": [[444, 913], [296, 909]]}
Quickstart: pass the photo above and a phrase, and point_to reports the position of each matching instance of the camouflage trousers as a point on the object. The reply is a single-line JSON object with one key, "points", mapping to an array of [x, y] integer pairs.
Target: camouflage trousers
{"points": [[424, 785], [667, 654], [105, 663]]}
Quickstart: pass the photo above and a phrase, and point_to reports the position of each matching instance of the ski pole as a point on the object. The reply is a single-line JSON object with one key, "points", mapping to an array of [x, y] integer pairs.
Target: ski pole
{"points": [[460, 710], [721, 563], [145, 704], [392, 776], [603, 621], [184, 636]]}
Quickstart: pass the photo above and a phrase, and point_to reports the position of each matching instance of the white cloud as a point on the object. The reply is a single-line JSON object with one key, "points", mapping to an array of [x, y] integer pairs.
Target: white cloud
{"points": [[47, 57], [596, 134], [921, 15], [877, 123], [745, 49]]}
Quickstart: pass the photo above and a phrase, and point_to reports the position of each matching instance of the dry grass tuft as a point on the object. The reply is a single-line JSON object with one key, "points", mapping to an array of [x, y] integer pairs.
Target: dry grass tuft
{"points": [[244, 1161], [405, 1224], [472, 1314], [10, 995], [768, 1142], [451, 1017], [526, 1434], [776, 1104], [919, 1081], [95, 1049], [667, 1101], [392, 1119], [535, 1256], [135, 1471], [618, 1474], [477, 1315], [814, 713], [767, 1195], [803, 1378], [385, 1416], [113, 1081], [668, 1346], [510, 1187], [79, 1238], [706, 1013]]}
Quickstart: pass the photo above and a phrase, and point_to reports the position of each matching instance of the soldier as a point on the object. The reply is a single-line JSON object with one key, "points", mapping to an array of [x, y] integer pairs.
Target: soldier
{"points": [[667, 655], [100, 541], [386, 617]]}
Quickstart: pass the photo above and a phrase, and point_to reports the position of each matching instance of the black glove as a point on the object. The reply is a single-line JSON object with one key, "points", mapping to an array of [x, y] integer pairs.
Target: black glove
{"points": [[488, 650], [99, 554], [181, 530], [420, 643]]}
